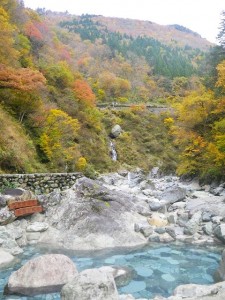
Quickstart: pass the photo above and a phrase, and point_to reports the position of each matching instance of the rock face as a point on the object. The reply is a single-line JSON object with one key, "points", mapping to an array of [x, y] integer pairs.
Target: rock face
{"points": [[128, 209], [44, 274], [90, 216], [91, 284]]}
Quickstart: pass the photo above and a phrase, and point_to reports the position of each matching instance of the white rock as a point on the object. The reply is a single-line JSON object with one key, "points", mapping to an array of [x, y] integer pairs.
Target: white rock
{"points": [[199, 291], [37, 227], [5, 258], [126, 297]]}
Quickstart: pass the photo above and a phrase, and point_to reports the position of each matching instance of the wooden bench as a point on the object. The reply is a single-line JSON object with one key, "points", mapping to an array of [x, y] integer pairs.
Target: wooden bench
{"points": [[24, 208]]}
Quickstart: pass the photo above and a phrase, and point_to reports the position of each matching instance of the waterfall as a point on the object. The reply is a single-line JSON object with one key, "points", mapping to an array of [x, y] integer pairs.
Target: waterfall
{"points": [[113, 152], [129, 178]]}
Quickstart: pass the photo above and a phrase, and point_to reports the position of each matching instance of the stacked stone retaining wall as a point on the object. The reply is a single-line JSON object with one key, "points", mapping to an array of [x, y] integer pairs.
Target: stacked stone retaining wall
{"points": [[39, 183]]}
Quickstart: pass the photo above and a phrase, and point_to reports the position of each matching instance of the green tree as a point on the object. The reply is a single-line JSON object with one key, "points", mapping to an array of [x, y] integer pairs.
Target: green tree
{"points": [[221, 35], [59, 75]]}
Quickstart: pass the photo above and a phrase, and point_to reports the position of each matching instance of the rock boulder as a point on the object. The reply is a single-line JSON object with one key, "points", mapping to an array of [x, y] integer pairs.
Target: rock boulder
{"points": [[5, 258], [197, 292], [91, 284], [219, 275], [44, 274], [116, 131], [173, 194], [91, 216], [219, 232]]}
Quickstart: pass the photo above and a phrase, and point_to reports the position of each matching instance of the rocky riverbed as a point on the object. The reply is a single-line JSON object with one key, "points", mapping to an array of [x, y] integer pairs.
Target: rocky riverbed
{"points": [[123, 209]]}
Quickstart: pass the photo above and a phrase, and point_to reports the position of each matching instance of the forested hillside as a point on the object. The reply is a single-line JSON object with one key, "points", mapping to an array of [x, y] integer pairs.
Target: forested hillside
{"points": [[172, 62], [56, 68]]}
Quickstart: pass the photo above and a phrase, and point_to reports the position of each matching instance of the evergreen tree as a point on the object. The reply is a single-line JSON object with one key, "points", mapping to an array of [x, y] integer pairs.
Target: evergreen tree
{"points": [[221, 35]]}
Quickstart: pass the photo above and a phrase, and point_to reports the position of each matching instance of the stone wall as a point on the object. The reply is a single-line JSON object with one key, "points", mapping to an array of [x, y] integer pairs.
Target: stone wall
{"points": [[39, 183]]}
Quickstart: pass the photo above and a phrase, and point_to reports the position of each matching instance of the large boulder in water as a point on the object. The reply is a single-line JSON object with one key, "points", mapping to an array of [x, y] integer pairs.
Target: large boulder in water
{"points": [[91, 216], [91, 284], [44, 274]]}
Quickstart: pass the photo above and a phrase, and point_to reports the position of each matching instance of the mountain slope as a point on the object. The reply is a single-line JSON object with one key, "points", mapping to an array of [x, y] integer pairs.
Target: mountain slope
{"points": [[170, 59], [168, 34], [60, 67], [17, 151]]}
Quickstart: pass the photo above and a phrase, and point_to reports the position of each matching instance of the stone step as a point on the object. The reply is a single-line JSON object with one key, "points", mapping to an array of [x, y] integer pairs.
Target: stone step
{"points": [[28, 210], [20, 204]]}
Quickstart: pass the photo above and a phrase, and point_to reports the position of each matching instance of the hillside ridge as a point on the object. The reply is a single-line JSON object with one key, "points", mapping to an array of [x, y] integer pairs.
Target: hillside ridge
{"points": [[172, 34]]}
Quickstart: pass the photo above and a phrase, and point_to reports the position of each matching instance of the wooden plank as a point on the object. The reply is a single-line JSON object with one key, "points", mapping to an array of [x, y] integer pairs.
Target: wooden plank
{"points": [[21, 204], [27, 210]]}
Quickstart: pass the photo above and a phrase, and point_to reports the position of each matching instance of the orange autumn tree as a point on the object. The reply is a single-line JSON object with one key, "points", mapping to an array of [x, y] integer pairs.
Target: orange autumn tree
{"points": [[19, 89], [89, 114], [83, 93], [23, 79], [32, 31]]}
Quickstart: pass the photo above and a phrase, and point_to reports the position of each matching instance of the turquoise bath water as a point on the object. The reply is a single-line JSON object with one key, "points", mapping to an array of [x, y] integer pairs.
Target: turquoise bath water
{"points": [[156, 270]]}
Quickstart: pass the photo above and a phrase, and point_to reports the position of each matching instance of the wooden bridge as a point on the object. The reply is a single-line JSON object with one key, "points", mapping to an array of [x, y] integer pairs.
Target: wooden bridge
{"points": [[156, 109]]}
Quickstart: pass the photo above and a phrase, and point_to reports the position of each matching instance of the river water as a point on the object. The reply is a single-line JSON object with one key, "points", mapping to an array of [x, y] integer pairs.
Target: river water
{"points": [[156, 270]]}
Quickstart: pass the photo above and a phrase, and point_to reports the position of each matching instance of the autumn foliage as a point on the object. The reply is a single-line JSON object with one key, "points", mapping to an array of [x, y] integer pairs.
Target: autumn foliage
{"points": [[55, 72], [83, 92], [57, 140], [8, 53], [23, 79], [32, 31], [200, 135]]}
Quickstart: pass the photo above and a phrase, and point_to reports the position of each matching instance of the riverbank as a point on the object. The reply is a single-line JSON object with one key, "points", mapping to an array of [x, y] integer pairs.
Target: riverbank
{"points": [[124, 209]]}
